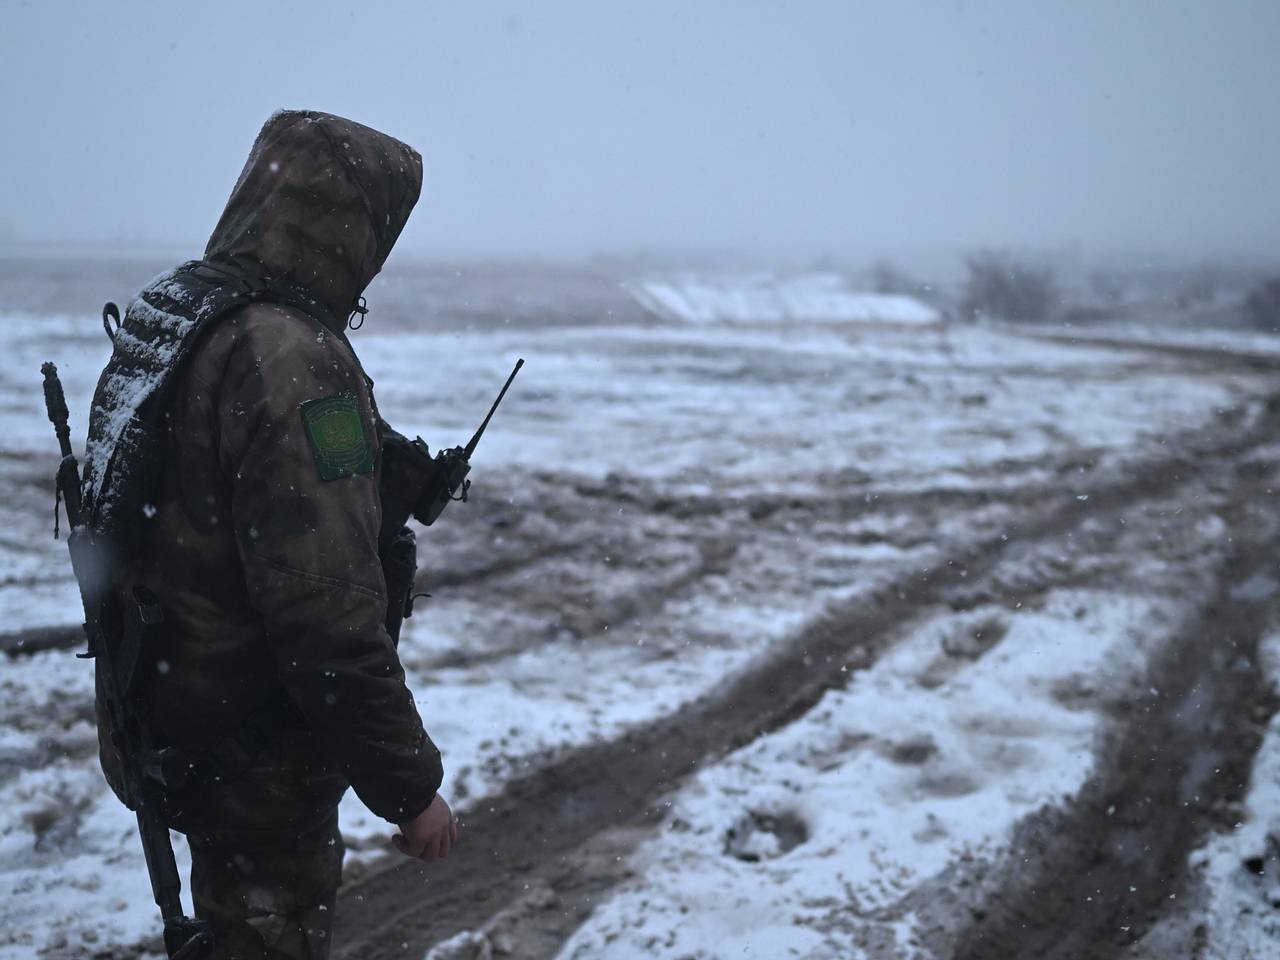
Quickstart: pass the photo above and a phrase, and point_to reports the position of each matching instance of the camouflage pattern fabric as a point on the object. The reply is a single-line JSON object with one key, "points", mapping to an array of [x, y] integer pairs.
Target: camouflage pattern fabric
{"points": [[319, 205], [267, 570], [269, 902]]}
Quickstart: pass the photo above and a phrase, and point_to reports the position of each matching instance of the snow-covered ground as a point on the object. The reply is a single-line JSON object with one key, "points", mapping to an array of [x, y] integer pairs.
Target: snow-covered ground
{"points": [[613, 568], [924, 761], [702, 409], [765, 298], [1238, 873], [71, 870]]}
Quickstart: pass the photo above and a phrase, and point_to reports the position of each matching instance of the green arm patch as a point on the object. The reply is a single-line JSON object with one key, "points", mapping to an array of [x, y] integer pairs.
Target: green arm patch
{"points": [[336, 431]]}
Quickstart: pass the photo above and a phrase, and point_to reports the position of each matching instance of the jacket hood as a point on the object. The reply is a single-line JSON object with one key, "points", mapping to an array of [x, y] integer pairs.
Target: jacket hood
{"points": [[318, 206]]}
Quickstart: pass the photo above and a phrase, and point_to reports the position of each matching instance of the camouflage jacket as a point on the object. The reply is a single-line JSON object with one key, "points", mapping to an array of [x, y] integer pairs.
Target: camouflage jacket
{"points": [[263, 542]]}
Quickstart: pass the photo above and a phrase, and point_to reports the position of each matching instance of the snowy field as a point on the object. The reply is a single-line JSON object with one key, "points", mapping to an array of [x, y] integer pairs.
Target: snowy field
{"points": [[676, 492]]}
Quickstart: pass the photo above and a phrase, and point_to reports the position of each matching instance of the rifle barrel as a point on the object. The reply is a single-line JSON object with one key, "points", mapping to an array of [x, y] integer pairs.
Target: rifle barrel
{"points": [[55, 404], [471, 446]]}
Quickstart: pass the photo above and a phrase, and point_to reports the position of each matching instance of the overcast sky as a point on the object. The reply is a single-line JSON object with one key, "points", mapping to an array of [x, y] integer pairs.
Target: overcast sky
{"points": [[565, 128]]}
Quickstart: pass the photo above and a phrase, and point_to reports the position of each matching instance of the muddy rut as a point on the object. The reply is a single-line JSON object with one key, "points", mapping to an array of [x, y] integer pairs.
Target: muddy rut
{"points": [[1088, 879], [542, 838]]}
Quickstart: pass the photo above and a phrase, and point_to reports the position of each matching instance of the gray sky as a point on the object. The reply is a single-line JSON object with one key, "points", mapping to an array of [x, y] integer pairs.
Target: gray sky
{"points": [[565, 128]]}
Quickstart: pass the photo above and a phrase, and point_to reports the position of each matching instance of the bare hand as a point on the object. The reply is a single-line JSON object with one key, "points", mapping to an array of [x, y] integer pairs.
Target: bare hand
{"points": [[430, 835]]}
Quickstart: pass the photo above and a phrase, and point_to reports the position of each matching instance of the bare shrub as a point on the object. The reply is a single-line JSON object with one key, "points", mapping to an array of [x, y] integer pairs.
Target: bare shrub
{"points": [[1199, 287], [1262, 306], [1000, 286], [1109, 287]]}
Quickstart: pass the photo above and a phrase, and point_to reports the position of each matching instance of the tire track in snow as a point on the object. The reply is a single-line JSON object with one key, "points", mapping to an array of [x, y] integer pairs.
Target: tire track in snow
{"points": [[1088, 879], [1211, 356]]}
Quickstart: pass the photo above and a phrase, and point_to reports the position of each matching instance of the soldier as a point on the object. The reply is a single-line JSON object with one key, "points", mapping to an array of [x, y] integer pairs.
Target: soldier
{"points": [[275, 674]]}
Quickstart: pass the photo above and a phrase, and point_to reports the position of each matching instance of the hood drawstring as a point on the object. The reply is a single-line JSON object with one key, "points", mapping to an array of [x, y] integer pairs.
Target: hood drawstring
{"points": [[361, 309]]}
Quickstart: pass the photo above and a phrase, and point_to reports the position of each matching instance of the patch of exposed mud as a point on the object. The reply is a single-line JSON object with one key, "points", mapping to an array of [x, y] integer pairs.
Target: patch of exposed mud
{"points": [[1094, 877], [759, 835]]}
